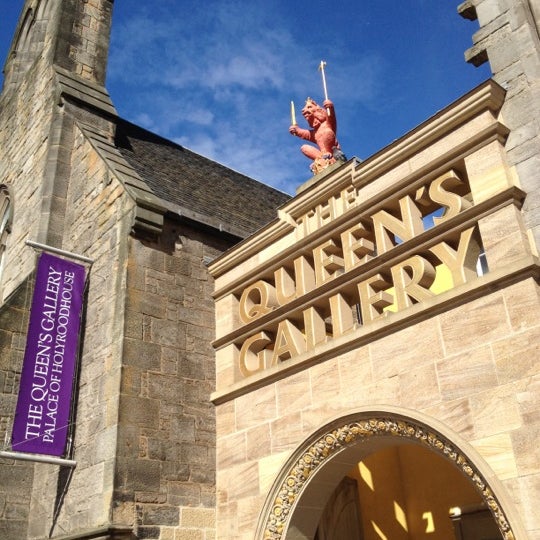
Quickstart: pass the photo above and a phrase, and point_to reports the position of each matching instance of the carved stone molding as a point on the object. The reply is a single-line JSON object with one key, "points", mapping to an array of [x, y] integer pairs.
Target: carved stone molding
{"points": [[337, 439]]}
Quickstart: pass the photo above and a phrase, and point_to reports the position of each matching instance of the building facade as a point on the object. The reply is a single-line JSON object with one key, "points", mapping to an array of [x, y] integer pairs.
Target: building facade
{"points": [[377, 350], [373, 367]]}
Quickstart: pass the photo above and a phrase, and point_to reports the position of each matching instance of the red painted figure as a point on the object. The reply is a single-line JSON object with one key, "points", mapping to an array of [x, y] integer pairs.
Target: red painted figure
{"points": [[322, 121]]}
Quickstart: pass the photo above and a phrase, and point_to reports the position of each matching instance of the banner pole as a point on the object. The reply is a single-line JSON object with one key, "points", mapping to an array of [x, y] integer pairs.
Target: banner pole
{"points": [[40, 458], [57, 251]]}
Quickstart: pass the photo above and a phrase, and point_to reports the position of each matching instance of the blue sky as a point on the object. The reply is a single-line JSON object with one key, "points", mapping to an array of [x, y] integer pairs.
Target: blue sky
{"points": [[218, 76]]}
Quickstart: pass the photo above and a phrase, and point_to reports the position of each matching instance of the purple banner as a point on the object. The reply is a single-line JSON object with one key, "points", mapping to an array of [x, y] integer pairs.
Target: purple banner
{"points": [[43, 407]]}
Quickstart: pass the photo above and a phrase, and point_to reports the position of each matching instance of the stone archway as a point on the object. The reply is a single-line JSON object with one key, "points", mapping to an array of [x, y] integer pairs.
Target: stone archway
{"points": [[324, 457]]}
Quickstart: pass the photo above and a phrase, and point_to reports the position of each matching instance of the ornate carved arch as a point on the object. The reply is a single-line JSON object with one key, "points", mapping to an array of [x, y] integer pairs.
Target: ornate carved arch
{"points": [[319, 449]]}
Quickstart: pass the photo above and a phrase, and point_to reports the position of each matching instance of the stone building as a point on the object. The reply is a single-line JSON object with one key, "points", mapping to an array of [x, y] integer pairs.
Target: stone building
{"points": [[375, 372], [378, 370], [150, 215]]}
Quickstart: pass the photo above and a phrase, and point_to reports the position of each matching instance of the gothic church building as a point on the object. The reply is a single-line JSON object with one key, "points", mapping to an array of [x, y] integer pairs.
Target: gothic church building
{"points": [[150, 215]]}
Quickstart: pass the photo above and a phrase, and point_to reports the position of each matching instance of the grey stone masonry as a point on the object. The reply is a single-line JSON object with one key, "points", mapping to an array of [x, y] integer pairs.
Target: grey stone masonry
{"points": [[509, 39], [144, 426], [15, 477], [72, 34], [83, 38], [166, 449]]}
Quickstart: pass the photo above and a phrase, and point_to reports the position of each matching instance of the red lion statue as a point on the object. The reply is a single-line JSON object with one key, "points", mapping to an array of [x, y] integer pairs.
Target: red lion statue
{"points": [[322, 121]]}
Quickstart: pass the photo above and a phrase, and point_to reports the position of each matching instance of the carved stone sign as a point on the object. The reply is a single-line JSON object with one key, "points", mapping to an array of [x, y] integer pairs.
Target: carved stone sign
{"points": [[358, 272]]}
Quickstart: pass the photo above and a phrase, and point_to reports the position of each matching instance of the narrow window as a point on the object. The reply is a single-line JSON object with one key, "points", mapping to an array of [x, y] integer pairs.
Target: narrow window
{"points": [[6, 211]]}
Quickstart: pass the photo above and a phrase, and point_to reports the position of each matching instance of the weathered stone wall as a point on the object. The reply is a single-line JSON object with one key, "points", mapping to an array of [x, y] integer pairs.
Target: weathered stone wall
{"points": [[25, 132], [83, 38], [74, 36], [26, 119], [15, 476], [165, 476], [145, 427], [509, 39], [62, 196], [98, 222]]}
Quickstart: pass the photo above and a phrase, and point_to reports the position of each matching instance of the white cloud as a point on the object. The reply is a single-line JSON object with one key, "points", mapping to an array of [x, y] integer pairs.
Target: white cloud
{"points": [[219, 81], [145, 120], [201, 144], [198, 115], [254, 71]]}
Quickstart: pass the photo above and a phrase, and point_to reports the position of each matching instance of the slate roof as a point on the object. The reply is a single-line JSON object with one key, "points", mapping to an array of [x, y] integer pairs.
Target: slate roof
{"points": [[185, 180]]}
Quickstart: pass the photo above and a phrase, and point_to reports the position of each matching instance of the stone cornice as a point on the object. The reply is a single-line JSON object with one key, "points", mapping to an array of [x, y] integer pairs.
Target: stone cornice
{"points": [[487, 97], [526, 267], [89, 93]]}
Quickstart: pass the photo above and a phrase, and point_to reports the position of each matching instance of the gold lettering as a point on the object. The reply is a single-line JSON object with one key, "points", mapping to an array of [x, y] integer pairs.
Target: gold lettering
{"points": [[327, 264], [374, 298], [422, 197], [306, 224], [341, 315], [412, 279], [253, 355], [290, 342], [314, 328], [326, 212], [302, 228], [287, 288], [349, 198], [453, 203], [329, 313], [304, 275], [257, 300], [357, 247], [405, 229], [460, 262]]}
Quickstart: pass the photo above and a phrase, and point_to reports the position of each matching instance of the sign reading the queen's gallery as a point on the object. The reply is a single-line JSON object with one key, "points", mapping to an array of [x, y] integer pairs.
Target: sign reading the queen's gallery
{"points": [[43, 409], [353, 271]]}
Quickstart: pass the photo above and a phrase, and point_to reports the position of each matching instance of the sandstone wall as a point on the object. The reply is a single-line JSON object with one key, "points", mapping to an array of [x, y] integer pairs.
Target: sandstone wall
{"points": [[23, 163], [15, 477], [472, 369], [303, 340], [27, 110]]}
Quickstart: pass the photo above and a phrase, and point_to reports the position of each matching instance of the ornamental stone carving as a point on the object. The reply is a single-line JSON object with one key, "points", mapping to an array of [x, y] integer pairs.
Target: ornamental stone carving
{"points": [[349, 434]]}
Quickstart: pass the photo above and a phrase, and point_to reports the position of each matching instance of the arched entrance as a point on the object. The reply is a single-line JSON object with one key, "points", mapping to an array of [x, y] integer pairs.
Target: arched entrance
{"points": [[401, 465]]}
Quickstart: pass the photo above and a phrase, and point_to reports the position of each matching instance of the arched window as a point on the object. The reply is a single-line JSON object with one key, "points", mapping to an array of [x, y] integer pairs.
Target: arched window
{"points": [[28, 42], [6, 216]]}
